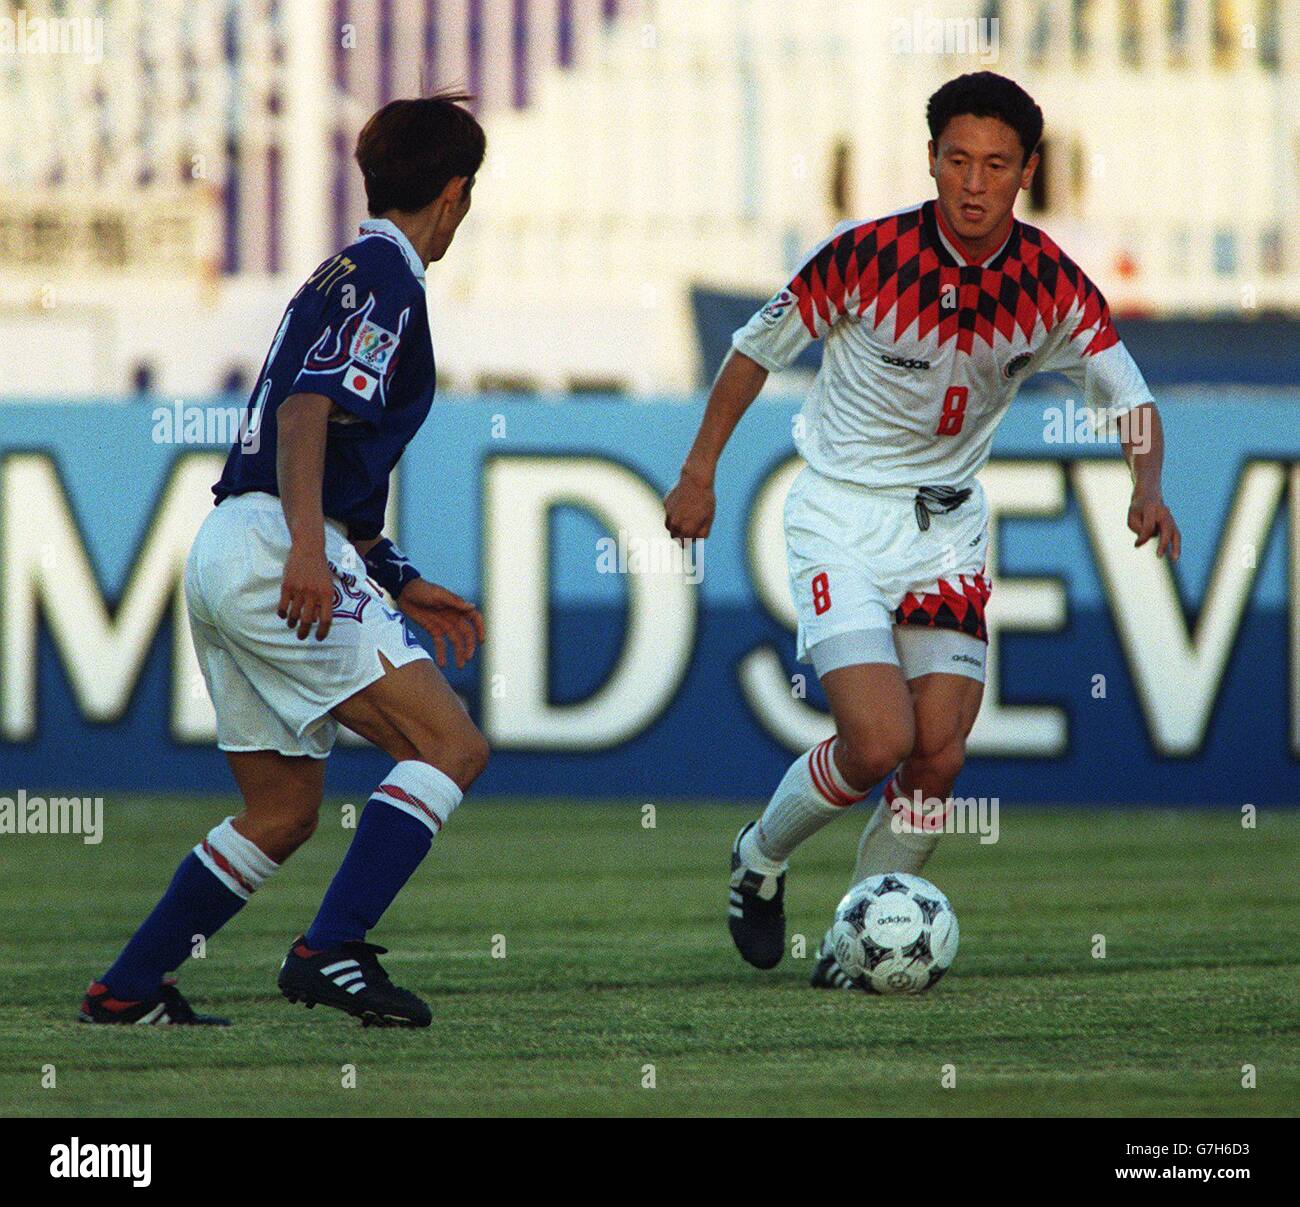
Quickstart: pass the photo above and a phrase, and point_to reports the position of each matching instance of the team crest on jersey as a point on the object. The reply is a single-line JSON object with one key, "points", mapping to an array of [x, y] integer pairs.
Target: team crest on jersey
{"points": [[777, 307], [373, 347], [1016, 364]]}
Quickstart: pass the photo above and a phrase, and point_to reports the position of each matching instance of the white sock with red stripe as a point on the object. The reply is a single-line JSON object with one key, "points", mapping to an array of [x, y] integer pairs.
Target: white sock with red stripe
{"points": [[421, 791], [886, 848], [234, 860], [812, 794]]}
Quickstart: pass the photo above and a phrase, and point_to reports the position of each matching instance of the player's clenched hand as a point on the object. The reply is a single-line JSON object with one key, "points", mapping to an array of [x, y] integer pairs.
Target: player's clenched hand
{"points": [[1148, 515], [307, 593], [445, 617], [689, 507]]}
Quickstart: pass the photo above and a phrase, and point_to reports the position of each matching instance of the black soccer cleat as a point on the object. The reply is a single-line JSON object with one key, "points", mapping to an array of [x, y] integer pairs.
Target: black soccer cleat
{"points": [[349, 978], [756, 917], [827, 973], [167, 1007]]}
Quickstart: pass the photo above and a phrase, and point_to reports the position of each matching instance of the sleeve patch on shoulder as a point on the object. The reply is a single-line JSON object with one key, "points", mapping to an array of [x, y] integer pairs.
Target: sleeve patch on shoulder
{"points": [[373, 347], [777, 307]]}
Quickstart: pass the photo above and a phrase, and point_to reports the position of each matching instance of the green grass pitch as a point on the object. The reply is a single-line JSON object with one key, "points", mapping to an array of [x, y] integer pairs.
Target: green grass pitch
{"points": [[617, 958]]}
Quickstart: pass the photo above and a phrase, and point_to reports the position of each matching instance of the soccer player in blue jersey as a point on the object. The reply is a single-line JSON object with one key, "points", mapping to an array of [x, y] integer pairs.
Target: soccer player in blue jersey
{"points": [[292, 637]]}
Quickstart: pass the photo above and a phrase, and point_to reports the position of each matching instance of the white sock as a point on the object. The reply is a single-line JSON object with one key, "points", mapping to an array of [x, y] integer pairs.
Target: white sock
{"points": [[812, 793], [883, 848], [422, 791], [236, 861]]}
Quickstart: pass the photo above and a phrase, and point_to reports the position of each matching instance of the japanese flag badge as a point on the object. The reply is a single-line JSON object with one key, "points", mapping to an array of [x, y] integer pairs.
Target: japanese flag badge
{"points": [[360, 382]]}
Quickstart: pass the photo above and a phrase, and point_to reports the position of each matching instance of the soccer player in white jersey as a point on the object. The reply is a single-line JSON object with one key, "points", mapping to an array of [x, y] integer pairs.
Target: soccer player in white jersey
{"points": [[932, 317]]}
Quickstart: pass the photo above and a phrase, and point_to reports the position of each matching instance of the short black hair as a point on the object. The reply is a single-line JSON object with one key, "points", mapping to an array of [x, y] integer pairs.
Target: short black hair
{"points": [[411, 149], [987, 94]]}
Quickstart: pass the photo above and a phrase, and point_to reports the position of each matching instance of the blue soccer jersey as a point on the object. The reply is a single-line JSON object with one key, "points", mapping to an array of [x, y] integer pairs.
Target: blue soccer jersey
{"points": [[357, 332]]}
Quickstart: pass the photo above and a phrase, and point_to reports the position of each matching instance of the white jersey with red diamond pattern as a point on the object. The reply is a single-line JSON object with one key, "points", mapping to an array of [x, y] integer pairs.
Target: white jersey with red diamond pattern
{"points": [[924, 352]]}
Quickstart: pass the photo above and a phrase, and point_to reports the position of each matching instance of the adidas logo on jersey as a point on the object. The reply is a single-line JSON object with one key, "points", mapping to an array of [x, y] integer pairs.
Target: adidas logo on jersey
{"points": [[904, 363]]}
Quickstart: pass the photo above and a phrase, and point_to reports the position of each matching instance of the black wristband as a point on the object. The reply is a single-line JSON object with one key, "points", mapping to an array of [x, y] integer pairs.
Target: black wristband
{"points": [[388, 566]]}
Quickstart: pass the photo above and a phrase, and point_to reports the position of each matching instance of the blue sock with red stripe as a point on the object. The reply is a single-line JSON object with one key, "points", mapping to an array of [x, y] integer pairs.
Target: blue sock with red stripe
{"points": [[396, 830], [209, 888]]}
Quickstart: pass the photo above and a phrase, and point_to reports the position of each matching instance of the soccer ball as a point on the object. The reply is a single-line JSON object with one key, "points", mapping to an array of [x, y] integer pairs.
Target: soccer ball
{"points": [[894, 933]]}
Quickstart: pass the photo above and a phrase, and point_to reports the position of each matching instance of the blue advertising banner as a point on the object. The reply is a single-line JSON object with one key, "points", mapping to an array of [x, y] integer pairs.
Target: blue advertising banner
{"points": [[618, 664]]}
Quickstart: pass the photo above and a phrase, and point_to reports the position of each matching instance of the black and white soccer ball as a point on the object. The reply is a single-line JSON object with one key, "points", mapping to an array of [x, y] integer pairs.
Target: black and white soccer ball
{"points": [[894, 933]]}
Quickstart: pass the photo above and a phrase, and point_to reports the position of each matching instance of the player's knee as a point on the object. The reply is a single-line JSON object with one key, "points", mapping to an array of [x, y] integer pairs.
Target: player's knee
{"points": [[282, 835], [461, 757], [952, 758], [942, 762], [474, 756], [869, 756]]}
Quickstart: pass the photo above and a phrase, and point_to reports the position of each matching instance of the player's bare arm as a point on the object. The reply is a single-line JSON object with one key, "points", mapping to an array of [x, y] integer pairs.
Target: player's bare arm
{"points": [[445, 616], [690, 505], [1143, 441], [307, 594]]}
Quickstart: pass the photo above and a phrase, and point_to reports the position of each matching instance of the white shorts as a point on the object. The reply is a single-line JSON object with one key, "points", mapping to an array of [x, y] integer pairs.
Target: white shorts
{"points": [[869, 585], [270, 690]]}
